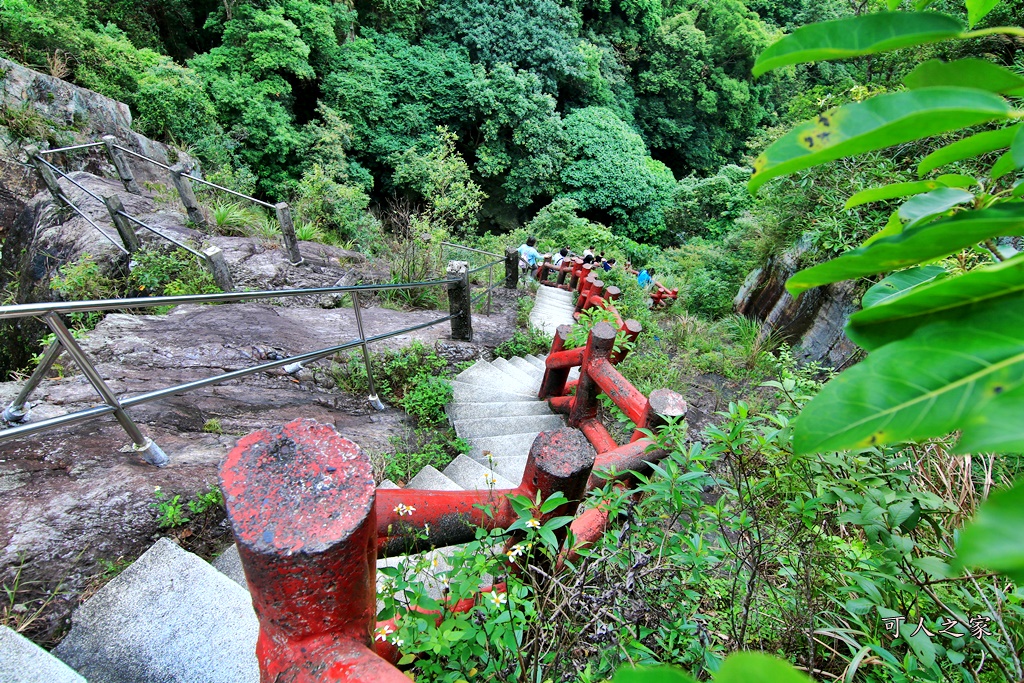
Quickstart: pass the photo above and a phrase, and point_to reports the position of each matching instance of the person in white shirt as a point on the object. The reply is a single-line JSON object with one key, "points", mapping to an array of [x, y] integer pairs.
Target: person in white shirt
{"points": [[589, 251], [529, 257], [562, 254]]}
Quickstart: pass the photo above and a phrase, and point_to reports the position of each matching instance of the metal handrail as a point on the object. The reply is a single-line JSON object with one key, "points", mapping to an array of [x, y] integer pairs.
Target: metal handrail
{"points": [[25, 310], [71, 180], [142, 156], [18, 411], [167, 237], [473, 249], [72, 147], [88, 220], [487, 265]]}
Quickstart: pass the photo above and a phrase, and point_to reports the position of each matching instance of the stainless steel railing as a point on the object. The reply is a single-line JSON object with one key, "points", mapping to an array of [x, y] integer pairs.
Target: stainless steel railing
{"points": [[489, 266], [17, 413]]}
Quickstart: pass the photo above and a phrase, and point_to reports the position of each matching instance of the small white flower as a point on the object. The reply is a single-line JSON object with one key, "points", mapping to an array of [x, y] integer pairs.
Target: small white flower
{"points": [[445, 581], [156, 489], [533, 523], [402, 509], [515, 551], [426, 529], [383, 632], [398, 642], [497, 599]]}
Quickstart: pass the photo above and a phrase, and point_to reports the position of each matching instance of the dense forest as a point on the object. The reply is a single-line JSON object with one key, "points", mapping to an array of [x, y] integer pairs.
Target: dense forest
{"points": [[703, 138]]}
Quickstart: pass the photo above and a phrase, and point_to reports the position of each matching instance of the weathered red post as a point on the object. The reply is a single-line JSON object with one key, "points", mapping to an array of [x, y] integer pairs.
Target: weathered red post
{"points": [[599, 346], [300, 499], [632, 329], [553, 383]]}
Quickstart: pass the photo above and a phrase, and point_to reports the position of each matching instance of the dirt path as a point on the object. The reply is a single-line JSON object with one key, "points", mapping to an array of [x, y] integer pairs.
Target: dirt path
{"points": [[72, 500]]}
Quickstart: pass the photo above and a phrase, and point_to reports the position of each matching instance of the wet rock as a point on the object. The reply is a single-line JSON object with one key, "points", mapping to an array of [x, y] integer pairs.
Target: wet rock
{"points": [[457, 352]]}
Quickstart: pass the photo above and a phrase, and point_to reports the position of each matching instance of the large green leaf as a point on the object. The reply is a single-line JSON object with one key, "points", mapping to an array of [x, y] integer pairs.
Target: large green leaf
{"points": [[980, 143], [755, 667], [916, 244], [945, 376], [977, 9], [966, 73], [994, 539], [876, 123], [1017, 149], [854, 36], [899, 283], [934, 202], [946, 299], [893, 226], [659, 674], [1004, 164], [894, 190]]}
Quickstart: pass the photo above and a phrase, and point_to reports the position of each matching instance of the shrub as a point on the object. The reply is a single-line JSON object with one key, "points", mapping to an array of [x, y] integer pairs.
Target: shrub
{"points": [[530, 342]]}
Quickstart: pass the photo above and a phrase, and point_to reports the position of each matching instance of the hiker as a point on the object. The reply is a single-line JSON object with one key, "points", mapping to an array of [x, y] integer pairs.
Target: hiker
{"points": [[562, 254], [528, 256], [589, 251], [646, 277], [588, 258], [609, 264]]}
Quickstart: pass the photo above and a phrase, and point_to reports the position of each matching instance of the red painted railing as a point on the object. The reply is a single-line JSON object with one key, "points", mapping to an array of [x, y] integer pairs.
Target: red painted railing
{"points": [[310, 525]]}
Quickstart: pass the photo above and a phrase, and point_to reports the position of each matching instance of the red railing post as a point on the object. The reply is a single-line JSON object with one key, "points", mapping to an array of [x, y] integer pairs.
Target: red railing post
{"points": [[661, 405], [553, 383], [300, 499], [632, 328], [599, 346]]}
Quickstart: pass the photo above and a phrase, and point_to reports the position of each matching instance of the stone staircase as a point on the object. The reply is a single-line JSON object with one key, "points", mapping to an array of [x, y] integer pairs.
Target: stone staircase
{"points": [[171, 616]]}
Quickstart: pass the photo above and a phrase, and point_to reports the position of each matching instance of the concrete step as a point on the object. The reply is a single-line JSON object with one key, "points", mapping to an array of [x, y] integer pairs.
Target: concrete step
{"points": [[475, 411], [554, 294], [388, 484], [501, 426], [574, 373], [547, 307], [170, 616], [510, 466], [229, 563], [527, 367], [508, 445], [483, 374], [471, 475], [548, 326], [536, 362], [526, 380], [22, 661], [431, 479], [475, 393]]}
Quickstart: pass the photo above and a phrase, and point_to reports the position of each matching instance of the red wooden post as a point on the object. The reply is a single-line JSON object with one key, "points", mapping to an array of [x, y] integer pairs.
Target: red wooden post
{"points": [[632, 328], [662, 404], [553, 383], [300, 500], [599, 346]]}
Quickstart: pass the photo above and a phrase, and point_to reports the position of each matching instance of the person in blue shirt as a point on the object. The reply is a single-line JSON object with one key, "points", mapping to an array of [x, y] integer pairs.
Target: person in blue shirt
{"points": [[645, 277], [529, 257]]}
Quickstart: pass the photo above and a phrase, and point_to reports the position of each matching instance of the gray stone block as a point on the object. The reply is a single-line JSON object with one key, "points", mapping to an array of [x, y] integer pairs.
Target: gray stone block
{"points": [[387, 484], [552, 294], [500, 426], [471, 475], [516, 374], [527, 367], [22, 661], [170, 616], [230, 565], [431, 479], [511, 467], [475, 393], [503, 446], [472, 411], [483, 374], [552, 309], [536, 362]]}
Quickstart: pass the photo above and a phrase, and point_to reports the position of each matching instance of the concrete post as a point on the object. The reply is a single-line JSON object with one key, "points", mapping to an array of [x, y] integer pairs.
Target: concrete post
{"points": [[312, 576], [188, 197], [599, 345], [511, 268], [218, 268], [284, 218], [459, 300], [553, 383], [124, 171], [49, 179], [124, 228]]}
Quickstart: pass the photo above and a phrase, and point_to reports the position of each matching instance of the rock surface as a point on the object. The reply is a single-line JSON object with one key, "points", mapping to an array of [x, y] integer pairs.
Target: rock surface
{"points": [[814, 322]]}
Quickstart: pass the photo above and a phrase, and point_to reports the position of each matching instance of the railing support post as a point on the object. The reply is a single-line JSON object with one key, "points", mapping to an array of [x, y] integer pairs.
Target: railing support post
{"points": [[373, 398], [284, 218], [599, 345], [662, 405], [124, 229], [553, 382], [18, 411], [188, 197], [312, 575], [218, 267], [459, 301], [152, 453], [49, 179], [124, 171], [511, 267]]}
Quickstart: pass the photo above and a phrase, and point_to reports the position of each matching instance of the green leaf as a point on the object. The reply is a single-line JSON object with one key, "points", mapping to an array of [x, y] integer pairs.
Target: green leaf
{"points": [[946, 299], [965, 73], [878, 194], [977, 9], [755, 667], [876, 123], [1003, 165], [932, 203], [994, 539], [933, 566], [899, 283], [660, 674], [916, 244], [859, 606], [854, 36], [893, 226], [947, 375], [980, 143], [1017, 149], [892, 4]]}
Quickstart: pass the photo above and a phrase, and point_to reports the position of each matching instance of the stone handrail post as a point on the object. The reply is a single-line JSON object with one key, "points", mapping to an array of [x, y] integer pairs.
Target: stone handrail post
{"points": [[124, 171], [459, 300]]}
